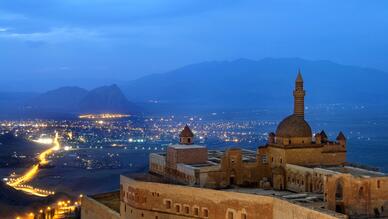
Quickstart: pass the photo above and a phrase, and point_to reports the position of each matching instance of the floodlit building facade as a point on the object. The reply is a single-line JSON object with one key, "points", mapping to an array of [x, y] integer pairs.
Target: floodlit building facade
{"points": [[296, 174]]}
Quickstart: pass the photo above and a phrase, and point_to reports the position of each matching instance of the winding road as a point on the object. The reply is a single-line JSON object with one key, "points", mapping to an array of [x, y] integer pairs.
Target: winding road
{"points": [[20, 182]]}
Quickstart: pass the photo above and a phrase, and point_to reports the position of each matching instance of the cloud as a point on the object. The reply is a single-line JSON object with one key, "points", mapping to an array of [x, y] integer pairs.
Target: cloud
{"points": [[54, 35], [7, 16]]}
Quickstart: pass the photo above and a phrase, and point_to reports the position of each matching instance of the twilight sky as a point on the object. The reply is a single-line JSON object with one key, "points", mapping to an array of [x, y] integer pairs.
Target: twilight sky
{"points": [[49, 43]]}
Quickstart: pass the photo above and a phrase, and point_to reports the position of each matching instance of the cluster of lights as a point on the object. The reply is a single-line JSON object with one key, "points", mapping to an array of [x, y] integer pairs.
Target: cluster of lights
{"points": [[64, 206], [103, 116], [136, 140], [45, 141]]}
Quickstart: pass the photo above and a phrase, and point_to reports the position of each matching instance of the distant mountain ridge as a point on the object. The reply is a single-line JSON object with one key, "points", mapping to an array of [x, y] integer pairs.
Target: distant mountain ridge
{"points": [[67, 101], [74, 99], [238, 84], [106, 99], [64, 98], [249, 83]]}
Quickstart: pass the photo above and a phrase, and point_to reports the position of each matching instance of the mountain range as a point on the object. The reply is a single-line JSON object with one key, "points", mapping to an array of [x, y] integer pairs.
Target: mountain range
{"points": [[247, 83], [68, 101], [238, 84]]}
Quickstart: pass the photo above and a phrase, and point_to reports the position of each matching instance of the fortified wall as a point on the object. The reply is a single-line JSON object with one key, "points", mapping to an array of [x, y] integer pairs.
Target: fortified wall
{"points": [[151, 200], [102, 206]]}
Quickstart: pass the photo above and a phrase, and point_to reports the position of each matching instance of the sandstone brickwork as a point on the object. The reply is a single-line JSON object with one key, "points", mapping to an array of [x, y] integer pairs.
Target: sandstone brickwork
{"points": [[162, 201], [357, 195]]}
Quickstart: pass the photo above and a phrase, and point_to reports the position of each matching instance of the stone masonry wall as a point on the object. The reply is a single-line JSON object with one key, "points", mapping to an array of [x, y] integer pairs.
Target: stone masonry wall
{"points": [[92, 209], [162, 201]]}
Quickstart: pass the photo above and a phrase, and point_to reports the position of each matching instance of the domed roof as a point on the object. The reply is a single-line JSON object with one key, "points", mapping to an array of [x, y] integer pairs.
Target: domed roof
{"points": [[293, 126]]}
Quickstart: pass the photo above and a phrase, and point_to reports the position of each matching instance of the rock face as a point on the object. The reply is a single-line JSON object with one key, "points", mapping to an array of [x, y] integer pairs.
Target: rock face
{"points": [[74, 100], [105, 99]]}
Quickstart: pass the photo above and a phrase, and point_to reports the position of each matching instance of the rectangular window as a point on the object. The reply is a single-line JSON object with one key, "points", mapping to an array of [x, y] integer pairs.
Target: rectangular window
{"points": [[264, 159], [243, 216], [230, 215], [187, 210], [196, 211], [178, 208], [205, 212], [168, 204]]}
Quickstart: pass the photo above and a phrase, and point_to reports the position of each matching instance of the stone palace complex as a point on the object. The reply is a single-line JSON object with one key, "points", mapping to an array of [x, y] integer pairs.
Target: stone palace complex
{"points": [[296, 174]]}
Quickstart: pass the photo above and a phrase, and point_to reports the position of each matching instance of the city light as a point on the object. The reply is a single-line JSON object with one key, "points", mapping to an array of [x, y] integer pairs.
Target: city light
{"points": [[45, 141], [103, 116]]}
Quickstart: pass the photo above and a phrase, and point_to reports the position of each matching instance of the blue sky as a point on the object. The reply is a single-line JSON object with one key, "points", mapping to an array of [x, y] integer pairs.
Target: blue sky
{"points": [[50, 43]]}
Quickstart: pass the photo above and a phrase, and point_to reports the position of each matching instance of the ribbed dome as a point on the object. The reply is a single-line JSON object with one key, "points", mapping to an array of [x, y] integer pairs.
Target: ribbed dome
{"points": [[293, 126]]}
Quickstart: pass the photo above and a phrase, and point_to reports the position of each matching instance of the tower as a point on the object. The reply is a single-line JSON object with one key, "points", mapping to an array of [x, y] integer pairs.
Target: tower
{"points": [[186, 136], [341, 139], [299, 94]]}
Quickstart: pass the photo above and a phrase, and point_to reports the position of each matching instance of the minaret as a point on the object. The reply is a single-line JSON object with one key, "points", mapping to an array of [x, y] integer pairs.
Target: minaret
{"points": [[299, 94]]}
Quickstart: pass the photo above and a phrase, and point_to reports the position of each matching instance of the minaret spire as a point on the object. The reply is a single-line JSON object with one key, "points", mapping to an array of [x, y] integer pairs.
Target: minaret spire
{"points": [[299, 94]]}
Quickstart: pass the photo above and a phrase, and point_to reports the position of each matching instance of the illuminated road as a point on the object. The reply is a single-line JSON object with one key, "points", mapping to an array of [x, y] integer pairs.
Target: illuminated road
{"points": [[20, 182], [61, 210]]}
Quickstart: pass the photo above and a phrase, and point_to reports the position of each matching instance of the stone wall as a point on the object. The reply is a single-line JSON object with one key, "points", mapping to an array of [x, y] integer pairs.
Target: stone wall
{"points": [[163, 201], [92, 209], [189, 155], [234, 171], [304, 179], [304, 155], [286, 210], [357, 196], [157, 164]]}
